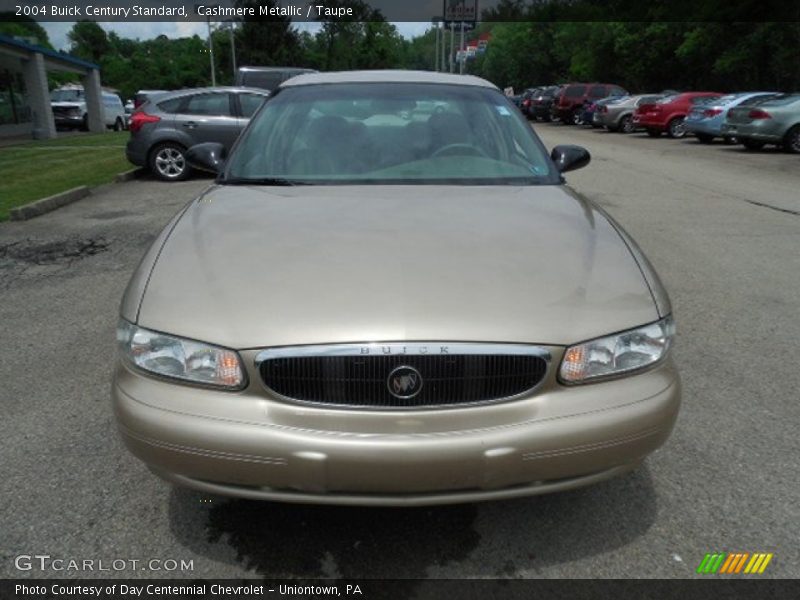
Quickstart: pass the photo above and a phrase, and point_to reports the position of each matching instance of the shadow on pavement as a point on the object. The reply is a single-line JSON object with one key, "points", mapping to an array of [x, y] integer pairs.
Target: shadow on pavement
{"points": [[495, 539]]}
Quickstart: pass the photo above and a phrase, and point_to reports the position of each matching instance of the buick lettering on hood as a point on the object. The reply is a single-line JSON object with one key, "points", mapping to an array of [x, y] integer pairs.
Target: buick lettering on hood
{"points": [[389, 296]]}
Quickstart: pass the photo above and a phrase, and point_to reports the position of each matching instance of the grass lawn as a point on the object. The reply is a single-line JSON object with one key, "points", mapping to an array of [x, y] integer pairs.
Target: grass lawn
{"points": [[37, 169]]}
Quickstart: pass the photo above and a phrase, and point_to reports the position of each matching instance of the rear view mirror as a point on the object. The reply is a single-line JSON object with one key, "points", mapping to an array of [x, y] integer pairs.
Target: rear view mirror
{"points": [[569, 158], [209, 156]]}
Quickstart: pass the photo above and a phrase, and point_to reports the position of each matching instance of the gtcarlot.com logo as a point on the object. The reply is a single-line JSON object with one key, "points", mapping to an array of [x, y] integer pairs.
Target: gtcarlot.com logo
{"points": [[45, 562], [734, 563]]}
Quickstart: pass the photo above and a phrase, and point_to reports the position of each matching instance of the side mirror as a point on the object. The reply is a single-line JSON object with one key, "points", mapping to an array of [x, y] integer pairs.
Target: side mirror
{"points": [[569, 158], [209, 156]]}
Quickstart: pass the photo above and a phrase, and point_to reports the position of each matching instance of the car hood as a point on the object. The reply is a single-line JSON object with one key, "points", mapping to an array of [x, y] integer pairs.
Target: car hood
{"points": [[248, 267]]}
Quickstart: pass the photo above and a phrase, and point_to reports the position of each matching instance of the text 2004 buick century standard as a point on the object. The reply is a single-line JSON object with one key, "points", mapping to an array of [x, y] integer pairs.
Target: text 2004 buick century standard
{"points": [[389, 296]]}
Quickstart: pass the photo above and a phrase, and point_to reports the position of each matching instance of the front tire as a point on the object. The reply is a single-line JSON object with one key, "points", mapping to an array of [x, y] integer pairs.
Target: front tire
{"points": [[676, 128], [168, 162], [626, 124], [119, 125]]}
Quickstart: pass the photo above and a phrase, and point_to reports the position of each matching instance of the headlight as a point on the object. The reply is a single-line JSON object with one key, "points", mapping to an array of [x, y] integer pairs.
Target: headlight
{"points": [[172, 356], [617, 354]]}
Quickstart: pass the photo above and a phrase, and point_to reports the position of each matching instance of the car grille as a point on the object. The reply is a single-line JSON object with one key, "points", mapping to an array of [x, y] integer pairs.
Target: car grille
{"points": [[64, 111], [449, 374]]}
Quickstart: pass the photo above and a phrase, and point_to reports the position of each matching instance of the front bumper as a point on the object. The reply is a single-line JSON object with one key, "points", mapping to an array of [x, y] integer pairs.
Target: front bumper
{"points": [[68, 120], [249, 445]]}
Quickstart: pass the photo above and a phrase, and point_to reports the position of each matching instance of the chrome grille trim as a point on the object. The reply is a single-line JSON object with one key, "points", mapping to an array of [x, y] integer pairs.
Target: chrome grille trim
{"points": [[315, 363], [403, 348]]}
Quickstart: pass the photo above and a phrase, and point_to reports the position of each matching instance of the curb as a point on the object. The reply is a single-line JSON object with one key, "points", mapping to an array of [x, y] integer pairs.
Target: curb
{"points": [[45, 205], [51, 203], [129, 175]]}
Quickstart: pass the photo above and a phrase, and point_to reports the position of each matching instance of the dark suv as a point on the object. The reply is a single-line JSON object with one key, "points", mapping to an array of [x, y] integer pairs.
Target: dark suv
{"points": [[569, 100]]}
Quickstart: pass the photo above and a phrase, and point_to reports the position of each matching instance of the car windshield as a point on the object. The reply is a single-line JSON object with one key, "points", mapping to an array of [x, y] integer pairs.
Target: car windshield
{"points": [[66, 95], [395, 133]]}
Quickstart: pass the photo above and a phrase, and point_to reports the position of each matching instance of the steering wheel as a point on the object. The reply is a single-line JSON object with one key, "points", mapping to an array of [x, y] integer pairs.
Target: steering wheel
{"points": [[448, 149]]}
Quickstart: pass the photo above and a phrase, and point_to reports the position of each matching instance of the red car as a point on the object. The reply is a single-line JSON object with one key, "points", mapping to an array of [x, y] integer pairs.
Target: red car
{"points": [[668, 113], [569, 100]]}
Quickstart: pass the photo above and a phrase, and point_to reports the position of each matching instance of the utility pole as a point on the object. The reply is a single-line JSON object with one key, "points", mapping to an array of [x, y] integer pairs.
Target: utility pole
{"points": [[452, 46], [444, 43], [436, 51], [233, 48], [463, 55], [211, 54]]}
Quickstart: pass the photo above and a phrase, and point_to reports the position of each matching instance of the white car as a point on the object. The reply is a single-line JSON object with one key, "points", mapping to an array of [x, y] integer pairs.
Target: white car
{"points": [[69, 109]]}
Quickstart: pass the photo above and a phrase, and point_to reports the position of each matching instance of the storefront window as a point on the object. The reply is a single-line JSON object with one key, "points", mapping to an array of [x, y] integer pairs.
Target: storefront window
{"points": [[14, 107]]}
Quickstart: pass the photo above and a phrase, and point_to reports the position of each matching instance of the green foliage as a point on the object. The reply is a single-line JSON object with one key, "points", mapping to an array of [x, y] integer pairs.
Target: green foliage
{"points": [[645, 56], [82, 160], [24, 27], [641, 56], [88, 41]]}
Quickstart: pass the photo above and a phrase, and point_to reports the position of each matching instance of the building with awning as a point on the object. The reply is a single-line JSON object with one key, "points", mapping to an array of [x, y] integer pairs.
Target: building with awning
{"points": [[24, 94]]}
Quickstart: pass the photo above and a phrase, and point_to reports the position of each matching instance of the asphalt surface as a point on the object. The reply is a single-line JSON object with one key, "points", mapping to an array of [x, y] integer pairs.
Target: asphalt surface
{"points": [[721, 225]]}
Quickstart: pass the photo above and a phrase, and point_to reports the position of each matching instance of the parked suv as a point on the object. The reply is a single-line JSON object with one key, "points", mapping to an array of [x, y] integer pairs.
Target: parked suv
{"points": [[165, 126], [568, 102], [669, 113], [542, 102], [267, 78], [69, 108]]}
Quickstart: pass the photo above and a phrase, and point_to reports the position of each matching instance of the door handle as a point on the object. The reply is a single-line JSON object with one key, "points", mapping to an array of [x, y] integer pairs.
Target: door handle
{"points": [[190, 124]]}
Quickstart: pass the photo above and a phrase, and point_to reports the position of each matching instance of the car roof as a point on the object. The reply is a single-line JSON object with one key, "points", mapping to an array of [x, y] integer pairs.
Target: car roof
{"points": [[200, 90], [386, 76], [271, 69]]}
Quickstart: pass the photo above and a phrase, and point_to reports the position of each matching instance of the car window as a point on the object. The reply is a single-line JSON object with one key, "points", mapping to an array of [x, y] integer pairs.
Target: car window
{"points": [[250, 103], [170, 106], [666, 99], [598, 91], [207, 104], [66, 95], [757, 99], [575, 91], [390, 133], [617, 91], [702, 99], [782, 101], [647, 100], [267, 80]]}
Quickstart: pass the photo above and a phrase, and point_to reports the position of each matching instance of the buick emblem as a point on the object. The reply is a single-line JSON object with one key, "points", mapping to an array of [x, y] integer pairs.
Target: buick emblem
{"points": [[404, 382]]}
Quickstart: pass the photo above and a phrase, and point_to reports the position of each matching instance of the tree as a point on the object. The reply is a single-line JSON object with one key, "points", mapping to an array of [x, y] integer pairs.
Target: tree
{"points": [[24, 27], [264, 42], [88, 41]]}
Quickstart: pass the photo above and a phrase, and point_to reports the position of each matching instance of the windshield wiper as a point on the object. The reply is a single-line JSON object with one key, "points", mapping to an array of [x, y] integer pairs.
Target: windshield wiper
{"points": [[277, 181]]}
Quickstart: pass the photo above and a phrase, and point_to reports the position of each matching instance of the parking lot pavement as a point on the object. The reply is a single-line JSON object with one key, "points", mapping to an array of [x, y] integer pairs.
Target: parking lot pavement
{"points": [[718, 223]]}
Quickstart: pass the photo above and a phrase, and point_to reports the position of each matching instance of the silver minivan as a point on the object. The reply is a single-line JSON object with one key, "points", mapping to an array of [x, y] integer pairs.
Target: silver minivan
{"points": [[164, 127]]}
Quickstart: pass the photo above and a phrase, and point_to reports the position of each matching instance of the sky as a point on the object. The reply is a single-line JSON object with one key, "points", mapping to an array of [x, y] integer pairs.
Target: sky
{"points": [[57, 32]]}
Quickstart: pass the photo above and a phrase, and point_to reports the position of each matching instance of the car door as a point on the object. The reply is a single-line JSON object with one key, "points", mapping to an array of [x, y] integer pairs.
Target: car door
{"points": [[208, 117]]}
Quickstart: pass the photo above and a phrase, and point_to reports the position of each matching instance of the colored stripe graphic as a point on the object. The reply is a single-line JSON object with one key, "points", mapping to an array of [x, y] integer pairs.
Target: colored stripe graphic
{"points": [[733, 562]]}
